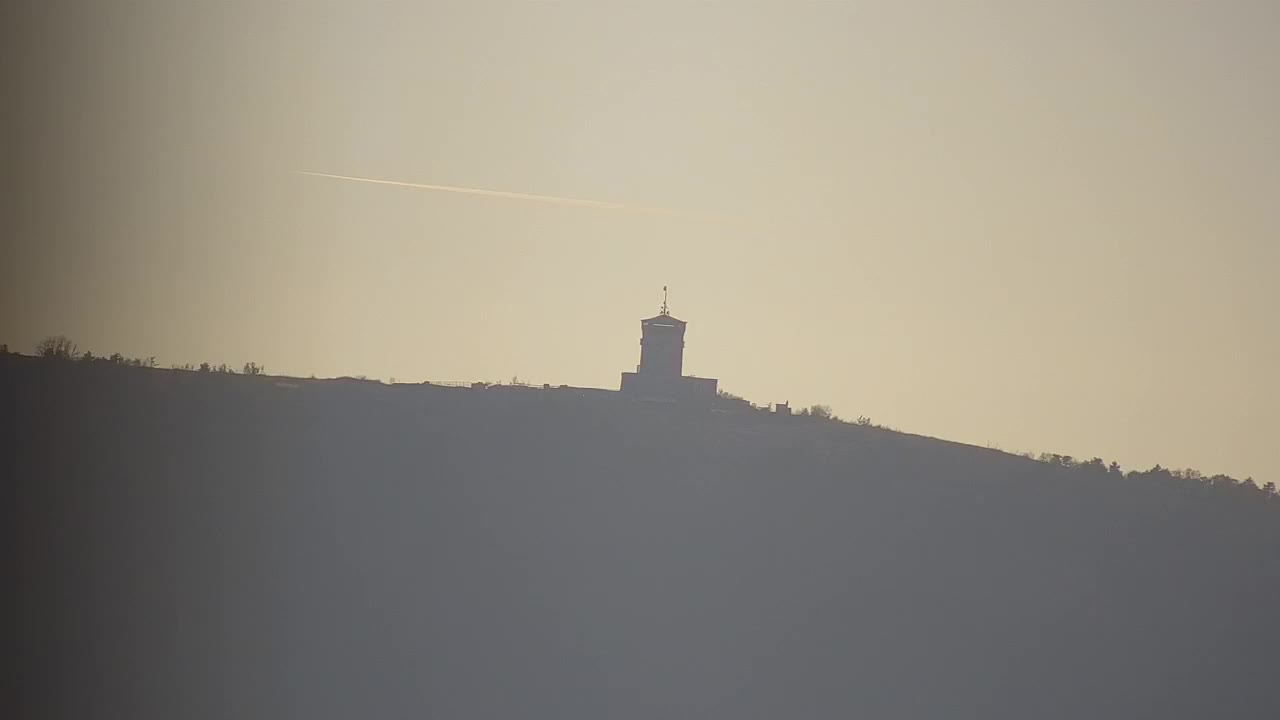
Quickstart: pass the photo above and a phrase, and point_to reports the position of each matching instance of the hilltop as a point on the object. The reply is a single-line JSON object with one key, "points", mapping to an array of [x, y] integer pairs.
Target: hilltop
{"points": [[213, 545]]}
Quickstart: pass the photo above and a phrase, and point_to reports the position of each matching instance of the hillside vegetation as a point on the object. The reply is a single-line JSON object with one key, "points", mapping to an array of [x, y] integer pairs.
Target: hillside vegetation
{"points": [[215, 545]]}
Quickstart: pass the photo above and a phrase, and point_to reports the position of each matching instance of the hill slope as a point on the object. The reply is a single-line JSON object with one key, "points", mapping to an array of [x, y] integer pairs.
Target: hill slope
{"points": [[198, 545]]}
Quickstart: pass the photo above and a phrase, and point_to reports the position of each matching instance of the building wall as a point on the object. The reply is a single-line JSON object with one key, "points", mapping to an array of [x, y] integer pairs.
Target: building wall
{"points": [[700, 388], [643, 386]]}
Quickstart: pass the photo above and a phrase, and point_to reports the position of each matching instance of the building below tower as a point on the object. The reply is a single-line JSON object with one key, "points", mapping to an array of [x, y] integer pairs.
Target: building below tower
{"points": [[659, 376]]}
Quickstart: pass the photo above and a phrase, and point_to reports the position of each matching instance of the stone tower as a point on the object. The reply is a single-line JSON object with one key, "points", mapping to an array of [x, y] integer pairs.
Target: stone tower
{"points": [[659, 376]]}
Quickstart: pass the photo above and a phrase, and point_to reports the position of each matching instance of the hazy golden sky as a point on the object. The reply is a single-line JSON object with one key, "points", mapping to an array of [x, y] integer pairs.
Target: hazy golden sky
{"points": [[1042, 225]]}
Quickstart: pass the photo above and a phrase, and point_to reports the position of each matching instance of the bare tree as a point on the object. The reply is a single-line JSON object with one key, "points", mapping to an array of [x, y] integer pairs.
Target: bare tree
{"points": [[57, 346]]}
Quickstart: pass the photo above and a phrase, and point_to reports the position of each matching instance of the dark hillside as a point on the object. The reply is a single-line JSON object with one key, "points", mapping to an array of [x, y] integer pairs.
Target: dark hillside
{"points": [[196, 545]]}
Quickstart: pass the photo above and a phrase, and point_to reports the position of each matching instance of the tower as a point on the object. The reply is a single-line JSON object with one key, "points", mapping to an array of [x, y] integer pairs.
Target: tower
{"points": [[659, 376], [661, 344]]}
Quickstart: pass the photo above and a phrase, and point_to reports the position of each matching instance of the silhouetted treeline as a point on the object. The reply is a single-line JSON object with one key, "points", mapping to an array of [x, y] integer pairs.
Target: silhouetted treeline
{"points": [[211, 546], [1187, 480], [60, 347]]}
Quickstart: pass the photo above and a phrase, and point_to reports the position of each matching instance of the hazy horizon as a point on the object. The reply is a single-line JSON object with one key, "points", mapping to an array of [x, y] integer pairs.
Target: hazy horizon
{"points": [[1044, 227]]}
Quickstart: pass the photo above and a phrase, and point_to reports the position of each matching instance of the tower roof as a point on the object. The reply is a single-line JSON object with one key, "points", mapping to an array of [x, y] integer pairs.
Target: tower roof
{"points": [[662, 319]]}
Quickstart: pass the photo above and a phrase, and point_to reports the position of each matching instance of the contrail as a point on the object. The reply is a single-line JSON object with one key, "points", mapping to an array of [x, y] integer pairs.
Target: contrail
{"points": [[573, 202]]}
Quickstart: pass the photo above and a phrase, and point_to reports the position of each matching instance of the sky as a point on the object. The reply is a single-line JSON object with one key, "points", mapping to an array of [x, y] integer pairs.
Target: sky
{"points": [[1040, 226]]}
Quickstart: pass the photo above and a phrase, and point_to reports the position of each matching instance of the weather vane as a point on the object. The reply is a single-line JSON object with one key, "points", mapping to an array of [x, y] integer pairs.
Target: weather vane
{"points": [[664, 299]]}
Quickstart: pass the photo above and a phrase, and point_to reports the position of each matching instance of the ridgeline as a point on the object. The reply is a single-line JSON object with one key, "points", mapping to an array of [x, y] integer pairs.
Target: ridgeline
{"points": [[211, 545]]}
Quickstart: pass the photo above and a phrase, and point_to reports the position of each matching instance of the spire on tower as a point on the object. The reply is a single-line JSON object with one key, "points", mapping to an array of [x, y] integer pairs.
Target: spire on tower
{"points": [[664, 300]]}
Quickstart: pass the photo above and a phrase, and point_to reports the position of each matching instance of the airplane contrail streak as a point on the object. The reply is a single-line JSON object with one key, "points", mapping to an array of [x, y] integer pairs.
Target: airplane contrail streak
{"points": [[573, 202]]}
